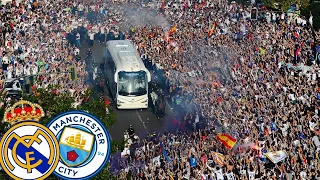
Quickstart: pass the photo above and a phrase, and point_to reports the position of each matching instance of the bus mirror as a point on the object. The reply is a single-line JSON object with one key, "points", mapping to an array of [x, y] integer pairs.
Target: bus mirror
{"points": [[148, 76], [115, 78]]}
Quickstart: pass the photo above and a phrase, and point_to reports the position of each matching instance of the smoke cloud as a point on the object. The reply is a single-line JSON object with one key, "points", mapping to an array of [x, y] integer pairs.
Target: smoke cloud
{"points": [[134, 16]]}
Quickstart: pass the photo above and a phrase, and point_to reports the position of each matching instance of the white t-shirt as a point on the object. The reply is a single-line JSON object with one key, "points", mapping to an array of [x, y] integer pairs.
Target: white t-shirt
{"points": [[91, 35], [308, 75], [316, 141], [5, 60], [284, 129], [303, 175], [80, 7], [299, 20], [78, 36], [312, 125], [186, 176], [71, 91], [9, 74], [219, 174], [76, 51], [291, 96], [304, 22], [314, 76], [230, 176], [34, 70], [27, 71], [251, 175]]}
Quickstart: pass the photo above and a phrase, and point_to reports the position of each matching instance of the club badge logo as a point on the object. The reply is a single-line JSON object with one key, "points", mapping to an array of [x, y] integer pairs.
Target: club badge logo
{"points": [[84, 145], [28, 150]]}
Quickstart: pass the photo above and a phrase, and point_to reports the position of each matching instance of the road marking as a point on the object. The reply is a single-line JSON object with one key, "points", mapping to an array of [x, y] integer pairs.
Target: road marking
{"points": [[145, 127]]}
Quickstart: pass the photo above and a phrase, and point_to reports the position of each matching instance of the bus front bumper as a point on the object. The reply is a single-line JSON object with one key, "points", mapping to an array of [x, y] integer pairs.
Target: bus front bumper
{"points": [[132, 106]]}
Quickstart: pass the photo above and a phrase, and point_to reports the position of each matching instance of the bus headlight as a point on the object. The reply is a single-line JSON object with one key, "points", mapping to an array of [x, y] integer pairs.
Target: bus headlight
{"points": [[145, 101]]}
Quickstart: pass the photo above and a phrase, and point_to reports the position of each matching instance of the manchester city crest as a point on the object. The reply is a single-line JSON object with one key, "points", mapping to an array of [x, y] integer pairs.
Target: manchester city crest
{"points": [[84, 145], [76, 145]]}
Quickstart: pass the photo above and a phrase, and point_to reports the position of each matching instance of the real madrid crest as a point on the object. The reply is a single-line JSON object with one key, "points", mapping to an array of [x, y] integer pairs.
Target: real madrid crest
{"points": [[28, 150], [84, 145]]}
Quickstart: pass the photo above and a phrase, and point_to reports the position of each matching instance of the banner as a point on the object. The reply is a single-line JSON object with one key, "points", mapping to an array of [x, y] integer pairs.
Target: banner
{"points": [[277, 156], [164, 152], [218, 158]]}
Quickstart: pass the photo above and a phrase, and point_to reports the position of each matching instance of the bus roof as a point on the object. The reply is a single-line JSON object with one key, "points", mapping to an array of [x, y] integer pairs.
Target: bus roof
{"points": [[125, 55]]}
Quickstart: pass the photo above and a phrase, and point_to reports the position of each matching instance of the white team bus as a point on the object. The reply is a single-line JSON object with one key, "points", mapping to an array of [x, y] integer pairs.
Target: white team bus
{"points": [[127, 77]]}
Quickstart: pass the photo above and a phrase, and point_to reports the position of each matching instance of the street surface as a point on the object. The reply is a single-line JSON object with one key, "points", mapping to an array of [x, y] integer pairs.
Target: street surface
{"points": [[144, 121]]}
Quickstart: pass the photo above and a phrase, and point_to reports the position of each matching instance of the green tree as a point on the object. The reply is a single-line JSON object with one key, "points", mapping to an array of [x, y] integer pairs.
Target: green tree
{"points": [[284, 5], [270, 3], [104, 174], [52, 103], [314, 8], [97, 108], [55, 103]]}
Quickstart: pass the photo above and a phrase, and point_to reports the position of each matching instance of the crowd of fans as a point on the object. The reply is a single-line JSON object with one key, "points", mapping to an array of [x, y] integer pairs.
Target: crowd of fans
{"points": [[258, 79], [33, 41]]}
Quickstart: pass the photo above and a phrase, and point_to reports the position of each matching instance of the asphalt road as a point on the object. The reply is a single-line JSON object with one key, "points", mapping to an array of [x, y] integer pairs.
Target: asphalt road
{"points": [[143, 121]]}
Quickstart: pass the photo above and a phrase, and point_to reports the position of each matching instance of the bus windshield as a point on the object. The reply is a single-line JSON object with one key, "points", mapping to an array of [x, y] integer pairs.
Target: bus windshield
{"points": [[132, 83]]}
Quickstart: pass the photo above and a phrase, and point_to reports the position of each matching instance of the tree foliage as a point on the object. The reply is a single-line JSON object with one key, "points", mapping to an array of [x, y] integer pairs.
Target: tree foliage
{"points": [[52, 103], [314, 8], [97, 108], [284, 5], [104, 174], [56, 103], [270, 3]]}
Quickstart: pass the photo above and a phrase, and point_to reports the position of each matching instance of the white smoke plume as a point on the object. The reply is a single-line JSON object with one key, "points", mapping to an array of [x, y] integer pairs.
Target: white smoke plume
{"points": [[141, 17]]}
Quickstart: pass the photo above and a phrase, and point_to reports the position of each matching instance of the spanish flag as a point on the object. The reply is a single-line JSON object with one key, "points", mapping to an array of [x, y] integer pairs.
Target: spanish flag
{"points": [[212, 29], [227, 140], [173, 30]]}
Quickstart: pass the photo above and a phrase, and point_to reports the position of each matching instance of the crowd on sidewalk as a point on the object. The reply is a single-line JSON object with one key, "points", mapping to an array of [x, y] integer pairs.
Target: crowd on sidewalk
{"points": [[257, 78]]}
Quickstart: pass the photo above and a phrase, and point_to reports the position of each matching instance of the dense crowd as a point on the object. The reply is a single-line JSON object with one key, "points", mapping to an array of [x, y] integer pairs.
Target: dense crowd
{"points": [[256, 78], [33, 41]]}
